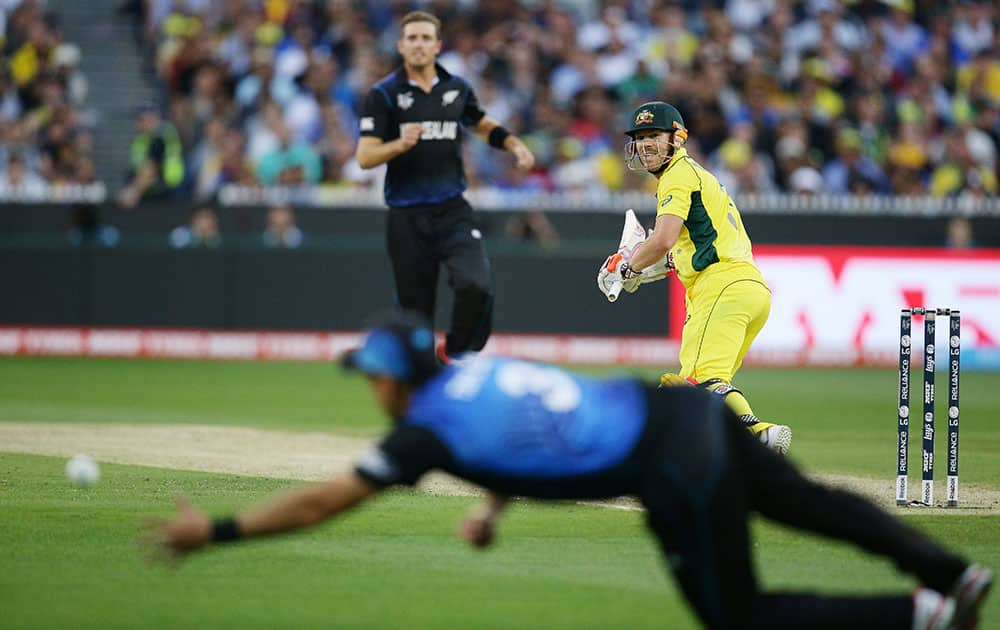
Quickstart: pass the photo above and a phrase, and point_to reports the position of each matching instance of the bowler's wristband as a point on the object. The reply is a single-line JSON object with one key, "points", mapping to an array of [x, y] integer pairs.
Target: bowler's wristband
{"points": [[497, 136], [225, 530]]}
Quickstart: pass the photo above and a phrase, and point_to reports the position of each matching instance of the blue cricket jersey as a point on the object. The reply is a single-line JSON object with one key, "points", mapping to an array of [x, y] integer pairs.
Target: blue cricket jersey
{"points": [[519, 428]]}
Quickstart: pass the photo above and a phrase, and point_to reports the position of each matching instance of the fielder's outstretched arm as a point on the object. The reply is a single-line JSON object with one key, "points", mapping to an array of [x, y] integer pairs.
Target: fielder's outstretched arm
{"points": [[190, 529], [302, 507], [655, 247], [479, 527]]}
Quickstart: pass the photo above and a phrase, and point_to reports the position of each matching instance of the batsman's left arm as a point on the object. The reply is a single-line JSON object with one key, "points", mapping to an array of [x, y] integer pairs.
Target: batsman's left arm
{"points": [[655, 247]]}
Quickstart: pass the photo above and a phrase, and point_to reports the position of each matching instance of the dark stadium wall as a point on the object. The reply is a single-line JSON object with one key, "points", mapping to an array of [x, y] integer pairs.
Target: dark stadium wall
{"points": [[593, 229], [306, 290], [341, 273]]}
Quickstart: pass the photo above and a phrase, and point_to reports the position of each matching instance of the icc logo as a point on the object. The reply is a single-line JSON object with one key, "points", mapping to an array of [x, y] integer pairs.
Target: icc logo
{"points": [[954, 341], [929, 418], [952, 412], [904, 412], [904, 341], [930, 349]]}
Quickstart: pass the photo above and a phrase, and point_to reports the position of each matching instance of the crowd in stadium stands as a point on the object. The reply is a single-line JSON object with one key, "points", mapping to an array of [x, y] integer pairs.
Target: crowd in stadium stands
{"points": [[45, 135], [820, 96]]}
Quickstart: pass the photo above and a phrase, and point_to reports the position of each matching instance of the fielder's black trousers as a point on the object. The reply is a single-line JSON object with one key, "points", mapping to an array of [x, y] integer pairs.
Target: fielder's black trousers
{"points": [[422, 239], [705, 473]]}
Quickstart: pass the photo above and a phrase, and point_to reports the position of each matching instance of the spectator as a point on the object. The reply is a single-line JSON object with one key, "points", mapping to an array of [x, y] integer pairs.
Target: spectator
{"points": [[40, 91], [670, 45], [66, 61], [18, 181], [973, 27], [28, 61], [205, 161], [740, 170], [959, 234], [10, 102], [824, 64], [904, 38], [806, 180], [336, 147], [157, 161], [826, 22], [234, 167], [236, 50], [85, 227], [850, 170], [980, 79], [960, 173], [981, 145], [291, 163], [533, 227], [281, 231], [202, 231], [790, 153]]}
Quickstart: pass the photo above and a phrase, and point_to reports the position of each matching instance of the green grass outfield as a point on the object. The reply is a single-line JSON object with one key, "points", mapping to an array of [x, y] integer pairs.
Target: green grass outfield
{"points": [[66, 555]]}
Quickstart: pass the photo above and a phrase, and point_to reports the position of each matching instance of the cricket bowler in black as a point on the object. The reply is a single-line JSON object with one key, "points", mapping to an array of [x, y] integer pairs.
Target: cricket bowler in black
{"points": [[411, 121]]}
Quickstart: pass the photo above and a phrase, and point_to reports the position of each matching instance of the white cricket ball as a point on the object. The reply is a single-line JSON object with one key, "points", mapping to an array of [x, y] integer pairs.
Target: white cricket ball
{"points": [[82, 471]]}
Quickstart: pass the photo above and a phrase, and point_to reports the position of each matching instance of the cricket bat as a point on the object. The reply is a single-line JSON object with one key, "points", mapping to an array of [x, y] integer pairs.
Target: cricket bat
{"points": [[633, 234]]}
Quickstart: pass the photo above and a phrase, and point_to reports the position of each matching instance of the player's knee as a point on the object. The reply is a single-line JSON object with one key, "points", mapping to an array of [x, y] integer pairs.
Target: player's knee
{"points": [[474, 293]]}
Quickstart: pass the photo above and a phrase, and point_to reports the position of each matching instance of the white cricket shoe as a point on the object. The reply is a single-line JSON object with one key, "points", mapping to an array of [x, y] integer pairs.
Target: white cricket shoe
{"points": [[932, 610], [777, 438], [969, 592]]}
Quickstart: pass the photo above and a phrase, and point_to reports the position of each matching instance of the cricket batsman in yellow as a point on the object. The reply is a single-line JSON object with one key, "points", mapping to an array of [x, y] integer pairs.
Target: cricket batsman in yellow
{"points": [[700, 229]]}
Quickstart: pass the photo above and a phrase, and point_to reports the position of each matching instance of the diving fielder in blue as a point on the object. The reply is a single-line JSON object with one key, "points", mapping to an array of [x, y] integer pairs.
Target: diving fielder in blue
{"points": [[526, 429]]}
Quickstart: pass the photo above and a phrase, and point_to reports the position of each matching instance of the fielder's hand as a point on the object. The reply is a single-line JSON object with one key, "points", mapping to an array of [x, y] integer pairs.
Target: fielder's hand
{"points": [[523, 157], [165, 540], [479, 527], [477, 531], [410, 135]]}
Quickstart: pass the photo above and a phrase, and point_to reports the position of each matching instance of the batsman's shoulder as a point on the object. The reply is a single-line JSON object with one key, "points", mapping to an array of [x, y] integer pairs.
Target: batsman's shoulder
{"points": [[676, 183], [683, 175]]}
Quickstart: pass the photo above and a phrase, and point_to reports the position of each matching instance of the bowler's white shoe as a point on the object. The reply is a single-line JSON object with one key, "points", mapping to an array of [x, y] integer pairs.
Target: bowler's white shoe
{"points": [[932, 610], [778, 438]]}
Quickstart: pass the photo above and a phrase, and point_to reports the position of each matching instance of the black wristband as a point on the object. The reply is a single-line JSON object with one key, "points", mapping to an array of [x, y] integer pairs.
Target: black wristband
{"points": [[225, 530], [497, 136]]}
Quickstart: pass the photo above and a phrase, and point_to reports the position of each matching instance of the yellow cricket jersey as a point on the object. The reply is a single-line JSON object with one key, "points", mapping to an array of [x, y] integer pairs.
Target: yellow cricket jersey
{"points": [[713, 230]]}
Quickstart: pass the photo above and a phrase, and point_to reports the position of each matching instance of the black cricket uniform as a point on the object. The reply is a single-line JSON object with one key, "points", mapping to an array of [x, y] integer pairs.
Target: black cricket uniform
{"points": [[538, 431], [430, 223]]}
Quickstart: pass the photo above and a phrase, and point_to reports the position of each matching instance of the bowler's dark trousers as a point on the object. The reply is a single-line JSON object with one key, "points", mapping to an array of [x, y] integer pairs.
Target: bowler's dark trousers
{"points": [[420, 239], [704, 474]]}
